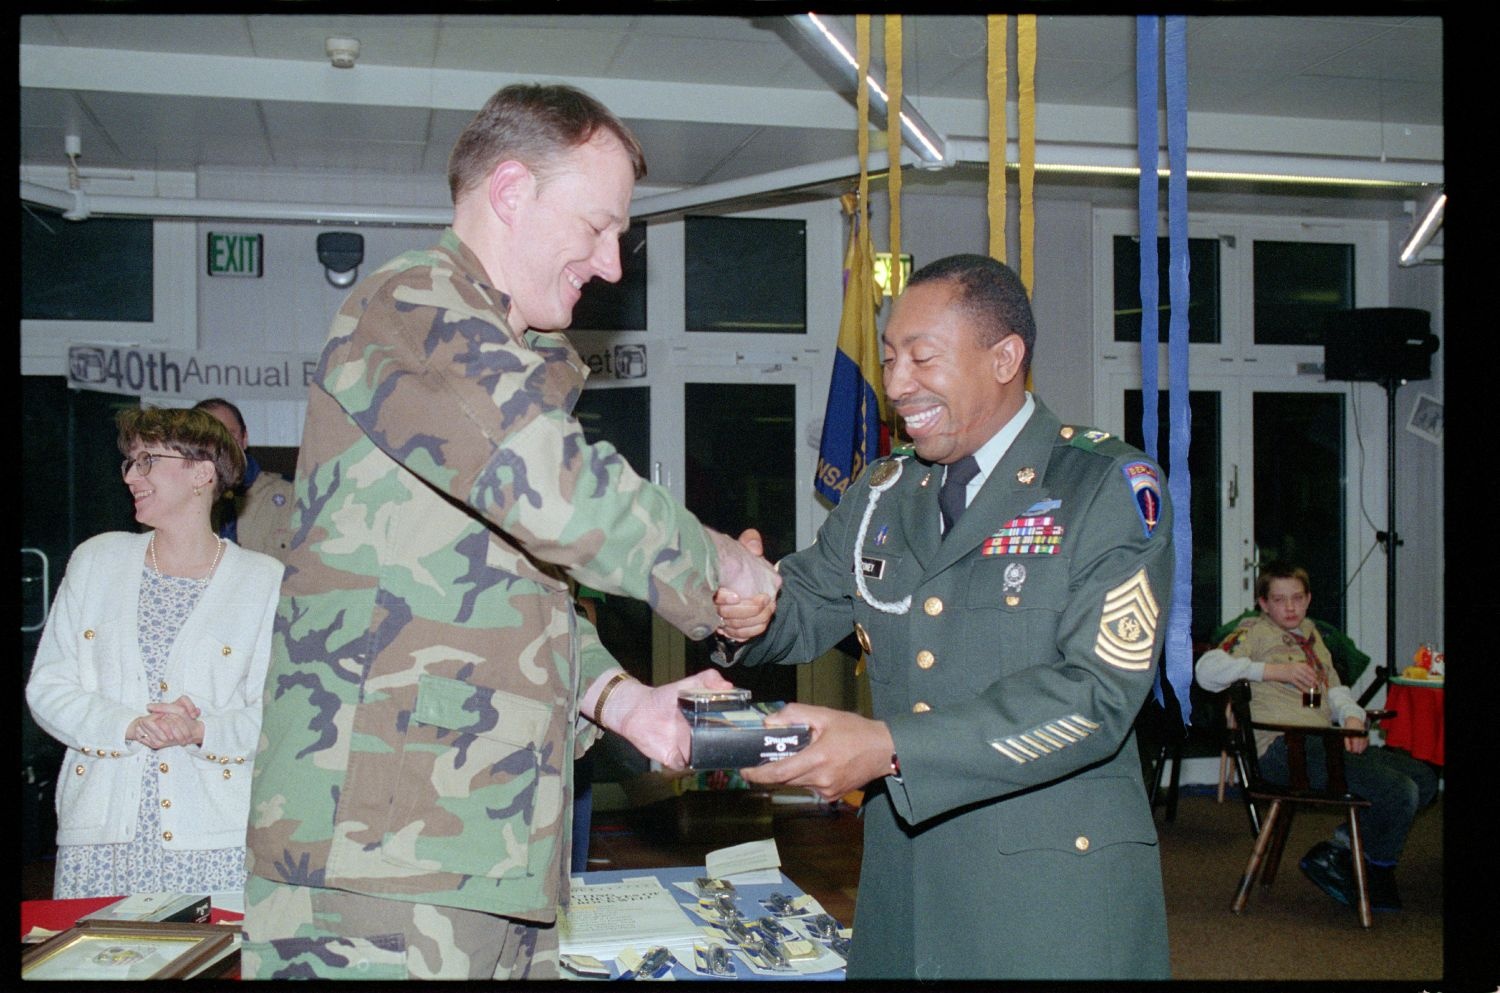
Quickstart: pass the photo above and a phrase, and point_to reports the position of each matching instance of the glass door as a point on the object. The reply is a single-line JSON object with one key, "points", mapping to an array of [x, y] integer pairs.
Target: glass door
{"points": [[730, 449], [1269, 464]]}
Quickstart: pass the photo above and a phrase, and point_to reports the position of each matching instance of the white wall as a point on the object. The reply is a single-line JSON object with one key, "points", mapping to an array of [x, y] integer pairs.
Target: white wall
{"points": [[1420, 496], [937, 225]]}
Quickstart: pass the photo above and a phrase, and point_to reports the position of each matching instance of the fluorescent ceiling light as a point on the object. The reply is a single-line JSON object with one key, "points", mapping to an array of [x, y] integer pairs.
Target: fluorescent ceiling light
{"points": [[1422, 232], [839, 50], [1213, 174]]}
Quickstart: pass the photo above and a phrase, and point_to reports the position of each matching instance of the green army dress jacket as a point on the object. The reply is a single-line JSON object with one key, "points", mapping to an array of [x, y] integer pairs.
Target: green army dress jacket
{"points": [[422, 701], [1009, 660]]}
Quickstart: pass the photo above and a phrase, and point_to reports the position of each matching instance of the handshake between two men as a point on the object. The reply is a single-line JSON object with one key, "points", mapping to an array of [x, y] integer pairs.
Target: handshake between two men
{"points": [[847, 750]]}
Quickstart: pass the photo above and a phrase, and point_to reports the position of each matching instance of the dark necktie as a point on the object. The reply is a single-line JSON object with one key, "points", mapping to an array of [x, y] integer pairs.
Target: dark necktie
{"points": [[952, 498]]}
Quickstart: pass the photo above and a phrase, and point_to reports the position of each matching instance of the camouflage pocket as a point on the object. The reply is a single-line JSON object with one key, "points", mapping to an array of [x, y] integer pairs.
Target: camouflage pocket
{"points": [[465, 795]]}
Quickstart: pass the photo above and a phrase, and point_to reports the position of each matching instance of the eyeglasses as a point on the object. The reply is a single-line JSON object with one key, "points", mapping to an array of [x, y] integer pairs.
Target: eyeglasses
{"points": [[144, 461]]}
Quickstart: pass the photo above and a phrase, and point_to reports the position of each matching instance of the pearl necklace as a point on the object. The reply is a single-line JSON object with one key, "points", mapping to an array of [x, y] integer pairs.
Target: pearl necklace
{"points": [[218, 550]]}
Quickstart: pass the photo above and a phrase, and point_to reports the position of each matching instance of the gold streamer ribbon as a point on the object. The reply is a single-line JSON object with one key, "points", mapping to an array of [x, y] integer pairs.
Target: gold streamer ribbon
{"points": [[893, 142], [862, 109], [1026, 105], [996, 84]]}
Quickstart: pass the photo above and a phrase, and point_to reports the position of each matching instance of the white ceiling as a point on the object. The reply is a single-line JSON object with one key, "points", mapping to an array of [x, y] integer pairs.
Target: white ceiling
{"points": [[713, 99]]}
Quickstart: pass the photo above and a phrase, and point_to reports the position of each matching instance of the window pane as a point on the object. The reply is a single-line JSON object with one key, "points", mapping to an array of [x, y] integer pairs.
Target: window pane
{"points": [[1203, 289], [746, 274], [741, 466], [1205, 462], [622, 417], [617, 306], [1297, 283], [94, 270], [1299, 491]]}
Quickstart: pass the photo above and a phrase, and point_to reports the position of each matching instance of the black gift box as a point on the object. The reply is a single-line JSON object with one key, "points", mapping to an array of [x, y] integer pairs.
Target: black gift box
{"points": [[729, 732]]}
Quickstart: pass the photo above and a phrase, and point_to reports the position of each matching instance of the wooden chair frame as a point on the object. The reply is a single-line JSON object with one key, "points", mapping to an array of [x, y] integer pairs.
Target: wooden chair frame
{"points": [[1284, 800], [1232, 763]]}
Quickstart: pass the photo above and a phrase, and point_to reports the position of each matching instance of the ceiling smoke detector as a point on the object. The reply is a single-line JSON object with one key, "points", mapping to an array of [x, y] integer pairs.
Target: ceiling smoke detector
{"points": [[342, 52]]}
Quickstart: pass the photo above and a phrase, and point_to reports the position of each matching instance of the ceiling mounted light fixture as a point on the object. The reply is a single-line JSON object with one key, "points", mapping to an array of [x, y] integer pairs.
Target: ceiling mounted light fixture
{"points": [[1427, 225], [342, 52], [838, 49]]}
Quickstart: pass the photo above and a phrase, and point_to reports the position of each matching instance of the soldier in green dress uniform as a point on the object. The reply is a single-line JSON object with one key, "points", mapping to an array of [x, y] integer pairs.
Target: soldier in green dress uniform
{"points": [[1012, 626]]}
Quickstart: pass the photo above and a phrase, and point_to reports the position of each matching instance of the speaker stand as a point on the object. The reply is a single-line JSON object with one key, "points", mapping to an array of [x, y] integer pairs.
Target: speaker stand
{"points": [[1392, 541]]}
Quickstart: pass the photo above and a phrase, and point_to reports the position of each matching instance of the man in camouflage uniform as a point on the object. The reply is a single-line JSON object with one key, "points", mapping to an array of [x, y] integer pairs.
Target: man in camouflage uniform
{"points": [[1011, 620], [430, 681]]}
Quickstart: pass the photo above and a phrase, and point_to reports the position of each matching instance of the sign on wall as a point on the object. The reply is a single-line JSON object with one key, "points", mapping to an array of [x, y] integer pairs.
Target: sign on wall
{"points": [[192, 376], [134, 370], [231, 254]]}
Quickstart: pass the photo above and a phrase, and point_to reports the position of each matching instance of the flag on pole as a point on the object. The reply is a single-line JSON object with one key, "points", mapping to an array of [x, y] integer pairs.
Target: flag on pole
{"points": [[854, 431]]}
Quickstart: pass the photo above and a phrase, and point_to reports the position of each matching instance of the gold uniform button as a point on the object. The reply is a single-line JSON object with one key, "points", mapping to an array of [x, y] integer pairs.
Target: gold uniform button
{"points": [[227, 774], [920, 708], [1067, 432], [166, 836], [86, 750], [210, 756], [933, 606], [114, 754], [88, 635], [166, 805], [223, 759], [163, 767], [78, 769], [925, 659], [1081, 843], [239, 760], [1012, 601], [164, 686], [227, 651]]}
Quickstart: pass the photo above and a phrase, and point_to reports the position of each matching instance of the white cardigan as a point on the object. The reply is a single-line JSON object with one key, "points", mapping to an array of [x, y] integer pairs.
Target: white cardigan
{"points": [[88, 683]]}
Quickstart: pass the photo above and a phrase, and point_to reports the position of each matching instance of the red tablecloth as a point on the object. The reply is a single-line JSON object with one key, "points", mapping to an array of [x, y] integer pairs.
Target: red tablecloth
{"points": [[59, 915], [1418, 724]]}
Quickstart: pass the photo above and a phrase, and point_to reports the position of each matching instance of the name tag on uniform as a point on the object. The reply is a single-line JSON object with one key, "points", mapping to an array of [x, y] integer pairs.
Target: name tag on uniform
{"points": [[871, 567]]}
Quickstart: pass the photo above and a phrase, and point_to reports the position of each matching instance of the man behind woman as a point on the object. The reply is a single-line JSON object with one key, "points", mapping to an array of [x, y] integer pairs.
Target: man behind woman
{"points": [[150, 671]]}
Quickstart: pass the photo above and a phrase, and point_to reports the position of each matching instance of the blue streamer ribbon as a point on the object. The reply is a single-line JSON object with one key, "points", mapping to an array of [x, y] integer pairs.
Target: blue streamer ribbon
{"points": [[1179, 645], [1177, 666]]}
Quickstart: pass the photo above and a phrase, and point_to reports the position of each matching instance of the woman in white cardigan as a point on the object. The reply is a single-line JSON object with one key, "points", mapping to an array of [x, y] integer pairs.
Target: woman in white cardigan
{"points": [[151, 670]]}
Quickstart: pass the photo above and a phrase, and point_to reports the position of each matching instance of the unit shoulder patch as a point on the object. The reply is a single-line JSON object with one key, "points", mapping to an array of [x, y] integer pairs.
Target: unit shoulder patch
{"points": [[1145, 486]]}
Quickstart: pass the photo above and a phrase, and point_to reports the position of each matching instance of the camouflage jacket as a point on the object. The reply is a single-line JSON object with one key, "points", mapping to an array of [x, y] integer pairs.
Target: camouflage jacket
{"points": [[422, 702]]}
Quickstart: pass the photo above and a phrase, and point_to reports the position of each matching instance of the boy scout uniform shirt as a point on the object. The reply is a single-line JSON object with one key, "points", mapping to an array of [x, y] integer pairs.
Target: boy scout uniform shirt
{"points": [[263, 515], [1010, 683], [1263, 640], [421, 711]]}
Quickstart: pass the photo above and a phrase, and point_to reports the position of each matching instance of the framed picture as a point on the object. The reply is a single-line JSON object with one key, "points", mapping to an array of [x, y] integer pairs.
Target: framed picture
{"points": [[132, 950], [1426, 419]]}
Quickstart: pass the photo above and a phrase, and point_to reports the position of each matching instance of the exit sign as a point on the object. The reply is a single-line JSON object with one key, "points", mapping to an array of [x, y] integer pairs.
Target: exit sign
{"points": [[235, 254]]}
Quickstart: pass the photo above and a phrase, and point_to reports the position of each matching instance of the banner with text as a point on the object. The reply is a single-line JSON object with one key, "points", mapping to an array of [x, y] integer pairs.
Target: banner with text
{"points": [[166, 372], [135, 370]]}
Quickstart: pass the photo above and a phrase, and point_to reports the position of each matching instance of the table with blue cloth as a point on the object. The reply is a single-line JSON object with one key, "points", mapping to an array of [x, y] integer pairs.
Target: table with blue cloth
{"points": [[747, 898]]}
